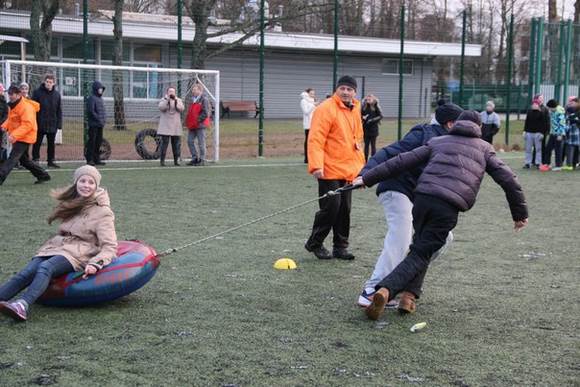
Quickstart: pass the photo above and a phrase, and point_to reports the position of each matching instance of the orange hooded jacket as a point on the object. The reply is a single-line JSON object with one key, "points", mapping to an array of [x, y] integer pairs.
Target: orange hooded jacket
{"points": [[21, 121], [334, 141]]}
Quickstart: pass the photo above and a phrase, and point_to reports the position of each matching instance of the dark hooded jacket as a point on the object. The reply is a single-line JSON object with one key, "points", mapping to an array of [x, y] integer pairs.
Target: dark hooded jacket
{"points": [[3, 110], [49, 118], [405, 182], [456, 164], [97, 116]]}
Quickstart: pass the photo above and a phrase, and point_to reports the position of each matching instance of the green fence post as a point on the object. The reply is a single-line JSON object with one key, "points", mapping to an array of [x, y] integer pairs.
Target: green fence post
{"points": [[532, 60], [462, 64], [180, 42], [562, 40], [539, 55], [401, 64], [85, 84], [261, 92], [509, 79], [335, 52], [569, 31]]}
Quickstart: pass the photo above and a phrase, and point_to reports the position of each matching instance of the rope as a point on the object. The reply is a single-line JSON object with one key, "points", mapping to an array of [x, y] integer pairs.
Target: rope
{"points": [[257, 220]]}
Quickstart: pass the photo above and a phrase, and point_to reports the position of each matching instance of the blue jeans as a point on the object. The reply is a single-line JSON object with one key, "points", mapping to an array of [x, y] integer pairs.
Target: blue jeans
{"points": [[36, 275], [200, 135]]}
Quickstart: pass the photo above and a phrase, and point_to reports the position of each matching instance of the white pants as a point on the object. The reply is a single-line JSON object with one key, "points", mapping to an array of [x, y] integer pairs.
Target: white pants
{"points": [[399, 216]]}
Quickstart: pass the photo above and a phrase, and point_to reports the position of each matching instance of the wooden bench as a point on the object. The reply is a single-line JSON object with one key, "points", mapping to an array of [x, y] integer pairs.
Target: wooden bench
{"points": [[238, 106]]}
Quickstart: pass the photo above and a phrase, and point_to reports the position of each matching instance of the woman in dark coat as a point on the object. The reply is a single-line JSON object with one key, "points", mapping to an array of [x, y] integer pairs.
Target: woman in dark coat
{"points": [[371, 116]]}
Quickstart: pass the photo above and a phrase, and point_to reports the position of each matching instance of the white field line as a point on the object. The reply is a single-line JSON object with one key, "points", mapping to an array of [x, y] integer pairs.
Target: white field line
{"points": [[214, 166]]}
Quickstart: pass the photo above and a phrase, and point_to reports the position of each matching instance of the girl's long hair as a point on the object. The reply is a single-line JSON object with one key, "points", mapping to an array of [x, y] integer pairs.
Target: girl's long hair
{"points": [[70, 203]]}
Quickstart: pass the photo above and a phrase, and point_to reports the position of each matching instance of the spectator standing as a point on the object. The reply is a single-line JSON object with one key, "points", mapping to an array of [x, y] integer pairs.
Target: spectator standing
{"points": [[24, 90], [97, 118], [3, 115], [170, 128], [557, 135], [371, 116], [490, 122], [572, 134], [335, 158], [307, 105], [535, 129], [22, 129], [197, 121], [48, 119]]}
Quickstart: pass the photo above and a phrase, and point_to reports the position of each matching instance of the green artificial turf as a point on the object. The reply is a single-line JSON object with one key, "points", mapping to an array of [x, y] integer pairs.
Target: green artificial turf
{"points": [[502, 308]]}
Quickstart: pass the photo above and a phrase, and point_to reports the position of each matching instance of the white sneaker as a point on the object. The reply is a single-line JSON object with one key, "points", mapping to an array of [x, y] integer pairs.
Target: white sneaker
{"points": [[556, 169]]}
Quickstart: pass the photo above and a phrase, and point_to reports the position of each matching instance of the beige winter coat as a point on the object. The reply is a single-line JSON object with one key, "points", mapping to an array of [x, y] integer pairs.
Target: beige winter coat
{"points": [[88, 238], [170, 119]]}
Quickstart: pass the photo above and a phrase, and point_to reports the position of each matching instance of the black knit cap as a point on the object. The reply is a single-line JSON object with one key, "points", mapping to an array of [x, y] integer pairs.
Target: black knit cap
{"points": [[13, 89], [447, 112], [470, 115], [347, 80], [552, 104]]}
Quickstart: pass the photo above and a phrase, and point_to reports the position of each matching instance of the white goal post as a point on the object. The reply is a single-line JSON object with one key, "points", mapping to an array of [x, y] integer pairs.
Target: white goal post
{"points": [[131, 98]]}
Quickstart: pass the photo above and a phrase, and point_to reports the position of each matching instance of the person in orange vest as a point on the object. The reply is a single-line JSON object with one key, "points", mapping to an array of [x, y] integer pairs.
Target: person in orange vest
{"points": [[197, 121], [21, 128], [335, 158]]}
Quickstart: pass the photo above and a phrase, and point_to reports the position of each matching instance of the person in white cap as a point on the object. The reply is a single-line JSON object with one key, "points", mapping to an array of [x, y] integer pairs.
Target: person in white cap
{"points": [[490, 122], [86, 241]]}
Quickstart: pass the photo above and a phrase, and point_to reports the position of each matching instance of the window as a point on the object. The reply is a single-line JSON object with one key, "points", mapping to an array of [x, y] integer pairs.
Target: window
{"points": [[391, 66]]}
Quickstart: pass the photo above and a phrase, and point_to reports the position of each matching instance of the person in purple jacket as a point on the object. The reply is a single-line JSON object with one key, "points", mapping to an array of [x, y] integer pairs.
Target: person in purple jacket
{"points": [[455, 166]]}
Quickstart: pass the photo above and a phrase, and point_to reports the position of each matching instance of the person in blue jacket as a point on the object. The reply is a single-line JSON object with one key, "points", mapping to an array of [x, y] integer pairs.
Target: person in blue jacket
{"points": [[396, 197]]}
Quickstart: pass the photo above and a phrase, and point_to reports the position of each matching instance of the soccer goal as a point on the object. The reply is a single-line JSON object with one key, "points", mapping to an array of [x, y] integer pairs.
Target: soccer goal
{"points": [[131, 99]]}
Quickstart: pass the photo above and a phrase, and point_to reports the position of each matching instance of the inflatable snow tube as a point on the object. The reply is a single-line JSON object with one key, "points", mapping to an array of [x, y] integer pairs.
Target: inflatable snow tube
{"points": [[135, 265], [148, 148]]}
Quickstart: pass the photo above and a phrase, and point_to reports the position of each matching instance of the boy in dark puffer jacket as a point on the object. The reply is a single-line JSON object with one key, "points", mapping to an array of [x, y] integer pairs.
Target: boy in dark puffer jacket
{"points": [[456, 164]]}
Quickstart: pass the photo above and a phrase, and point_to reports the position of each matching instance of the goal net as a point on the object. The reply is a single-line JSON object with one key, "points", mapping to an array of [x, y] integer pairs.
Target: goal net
{"points": [[131, 100]]}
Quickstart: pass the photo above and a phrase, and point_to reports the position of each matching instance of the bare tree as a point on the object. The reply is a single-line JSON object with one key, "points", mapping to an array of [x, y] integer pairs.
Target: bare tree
{"points": [[245, 26], [118, 99], [41, 16]]}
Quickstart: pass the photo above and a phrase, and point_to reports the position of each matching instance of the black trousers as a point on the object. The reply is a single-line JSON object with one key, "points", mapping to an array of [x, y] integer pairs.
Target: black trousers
{"points": [[306, 131], [554, 145], [175, 146], [19, 153], [370, 141], [433, 219], [93, 153], [50, 138], [334, 214]]}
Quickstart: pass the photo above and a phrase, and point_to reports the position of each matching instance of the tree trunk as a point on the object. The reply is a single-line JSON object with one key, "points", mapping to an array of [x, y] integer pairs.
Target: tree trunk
{"points": [[41, 16], [199, 12], [118, 102]]}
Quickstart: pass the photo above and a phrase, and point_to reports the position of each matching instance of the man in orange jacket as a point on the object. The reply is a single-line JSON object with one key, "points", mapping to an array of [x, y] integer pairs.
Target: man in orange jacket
{"points": [[21, 128], [335, 158]]}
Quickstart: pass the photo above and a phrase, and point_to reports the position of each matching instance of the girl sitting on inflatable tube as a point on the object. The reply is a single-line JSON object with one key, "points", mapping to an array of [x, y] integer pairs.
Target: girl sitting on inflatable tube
{"points": [[86, 241]]}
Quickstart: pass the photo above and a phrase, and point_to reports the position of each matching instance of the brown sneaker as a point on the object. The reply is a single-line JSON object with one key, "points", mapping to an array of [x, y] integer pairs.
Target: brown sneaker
{"points": [[377, 306], [407, 303]]}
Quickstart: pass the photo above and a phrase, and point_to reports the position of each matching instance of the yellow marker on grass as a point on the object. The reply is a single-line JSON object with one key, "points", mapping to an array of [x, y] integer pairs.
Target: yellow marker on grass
{"points": [[285, 264]]}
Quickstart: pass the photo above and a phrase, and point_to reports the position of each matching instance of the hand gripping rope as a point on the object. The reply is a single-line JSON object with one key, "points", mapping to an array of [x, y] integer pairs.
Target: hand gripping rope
{"points": [[348, 187]]}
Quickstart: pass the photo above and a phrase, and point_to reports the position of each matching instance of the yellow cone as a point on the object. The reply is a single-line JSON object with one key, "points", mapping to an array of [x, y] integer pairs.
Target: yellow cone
{"points": [[285, 264]]}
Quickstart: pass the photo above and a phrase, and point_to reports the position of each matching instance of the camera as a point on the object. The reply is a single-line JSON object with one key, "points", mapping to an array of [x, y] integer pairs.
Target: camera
{"points": [[172, 96]]}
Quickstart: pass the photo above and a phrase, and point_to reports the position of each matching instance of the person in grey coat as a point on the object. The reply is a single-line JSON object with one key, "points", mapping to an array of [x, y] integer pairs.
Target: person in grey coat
{"points": [[455, 168], [170, 127], [490, 122], [97, 118]]}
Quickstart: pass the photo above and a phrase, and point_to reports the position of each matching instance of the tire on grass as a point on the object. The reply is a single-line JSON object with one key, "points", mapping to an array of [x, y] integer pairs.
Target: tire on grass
{"points": [[147, 149], [104, 150]]}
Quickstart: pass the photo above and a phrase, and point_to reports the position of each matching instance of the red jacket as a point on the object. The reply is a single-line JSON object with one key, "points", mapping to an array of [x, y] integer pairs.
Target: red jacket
{"points": [[198, 114]]}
